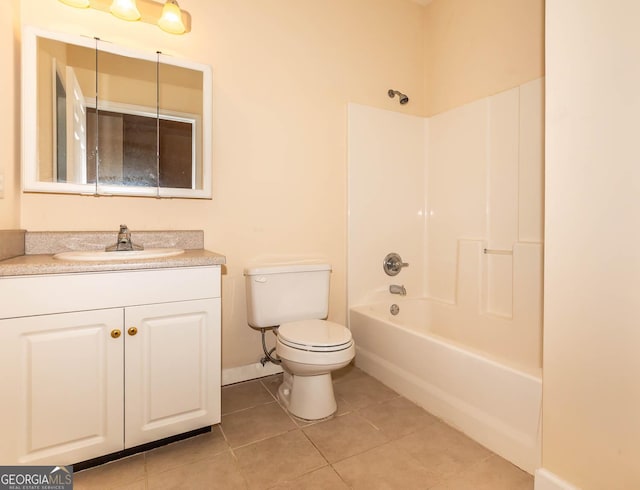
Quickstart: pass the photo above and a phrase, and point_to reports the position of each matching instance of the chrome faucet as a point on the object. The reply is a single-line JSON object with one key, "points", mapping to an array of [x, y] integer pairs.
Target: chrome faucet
{"points": [[393, 264], [397, 289], [124, 242]]}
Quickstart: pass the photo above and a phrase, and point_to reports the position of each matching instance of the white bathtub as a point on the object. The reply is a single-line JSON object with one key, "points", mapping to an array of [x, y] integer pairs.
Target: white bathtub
{"points": [[495, 404]]}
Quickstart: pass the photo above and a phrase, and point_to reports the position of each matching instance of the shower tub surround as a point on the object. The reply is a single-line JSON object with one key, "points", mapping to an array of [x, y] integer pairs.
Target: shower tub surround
{"points": [[459, 196]]}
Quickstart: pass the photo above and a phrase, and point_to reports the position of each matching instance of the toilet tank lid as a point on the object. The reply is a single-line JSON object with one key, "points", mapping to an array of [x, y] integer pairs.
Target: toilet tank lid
{"points": [[280, 268]]}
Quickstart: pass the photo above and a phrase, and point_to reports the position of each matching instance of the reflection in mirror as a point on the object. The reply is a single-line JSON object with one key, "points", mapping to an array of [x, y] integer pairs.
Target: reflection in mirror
{"points": [[60, 129], [181, 98], [128, 146], [148, 133], [66, 80], [111, 121], [126, 93]]}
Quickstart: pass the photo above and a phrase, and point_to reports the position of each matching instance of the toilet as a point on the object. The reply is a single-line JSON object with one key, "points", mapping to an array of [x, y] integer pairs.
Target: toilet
{"points": [[295, 299]]}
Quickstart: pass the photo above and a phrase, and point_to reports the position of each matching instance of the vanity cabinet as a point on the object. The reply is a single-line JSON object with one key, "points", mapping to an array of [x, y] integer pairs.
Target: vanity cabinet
{"points": [[167, 364], [94, 363]]}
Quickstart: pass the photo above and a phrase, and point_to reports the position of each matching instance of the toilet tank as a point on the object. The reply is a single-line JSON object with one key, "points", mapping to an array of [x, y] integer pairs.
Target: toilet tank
{"points": [[286, 292]]}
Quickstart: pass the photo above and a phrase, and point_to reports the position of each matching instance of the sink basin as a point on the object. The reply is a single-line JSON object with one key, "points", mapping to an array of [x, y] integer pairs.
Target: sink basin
{"points": [[101, 255]]}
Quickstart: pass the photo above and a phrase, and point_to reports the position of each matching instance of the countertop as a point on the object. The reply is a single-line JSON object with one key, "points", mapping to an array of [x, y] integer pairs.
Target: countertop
{"points": [[26, 265]]}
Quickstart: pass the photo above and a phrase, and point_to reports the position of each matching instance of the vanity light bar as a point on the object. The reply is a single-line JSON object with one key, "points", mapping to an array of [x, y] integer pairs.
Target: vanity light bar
{"points": [[167, 15]]}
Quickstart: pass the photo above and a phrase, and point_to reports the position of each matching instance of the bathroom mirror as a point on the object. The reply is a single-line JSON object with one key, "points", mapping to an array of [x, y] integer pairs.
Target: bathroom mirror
{"points": [[101, 119]]}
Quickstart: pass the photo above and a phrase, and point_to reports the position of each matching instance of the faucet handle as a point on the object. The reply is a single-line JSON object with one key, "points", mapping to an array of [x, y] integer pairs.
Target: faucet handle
{"points": [[393, 264], [124, 235], [123, 242]]}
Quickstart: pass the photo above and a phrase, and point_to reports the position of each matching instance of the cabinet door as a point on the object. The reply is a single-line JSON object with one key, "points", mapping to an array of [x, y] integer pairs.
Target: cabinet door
{"points": [[62, 383], [172, 369]]}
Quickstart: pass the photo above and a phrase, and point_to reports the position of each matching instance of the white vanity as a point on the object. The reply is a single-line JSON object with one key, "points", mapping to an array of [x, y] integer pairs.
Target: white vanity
{"points": [[104, 354], [98, 358]]}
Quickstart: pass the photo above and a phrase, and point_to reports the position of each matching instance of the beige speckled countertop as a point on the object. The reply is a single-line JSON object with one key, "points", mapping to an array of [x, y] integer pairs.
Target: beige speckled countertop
{"points": [[47, 264], [36, 256]]}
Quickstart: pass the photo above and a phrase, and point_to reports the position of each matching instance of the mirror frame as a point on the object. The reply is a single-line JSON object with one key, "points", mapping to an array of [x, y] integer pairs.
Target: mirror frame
{"points": [[30, 129]]}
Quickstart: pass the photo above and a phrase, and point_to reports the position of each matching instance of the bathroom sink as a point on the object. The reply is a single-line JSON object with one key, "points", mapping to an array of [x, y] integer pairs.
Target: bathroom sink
{"points": [[101, 255]]}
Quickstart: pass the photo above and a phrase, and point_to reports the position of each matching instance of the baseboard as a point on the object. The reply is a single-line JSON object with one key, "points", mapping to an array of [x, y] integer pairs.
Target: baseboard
{"points": [[248, 372], [545, 480]]}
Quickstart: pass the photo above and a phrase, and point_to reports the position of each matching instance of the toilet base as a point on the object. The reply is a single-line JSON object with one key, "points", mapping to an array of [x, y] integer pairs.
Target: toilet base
{"points": [[308, 397]]}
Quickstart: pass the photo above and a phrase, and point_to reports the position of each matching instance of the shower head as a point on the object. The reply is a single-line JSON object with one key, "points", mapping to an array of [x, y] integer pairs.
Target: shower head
{"points": [[403, 98]]}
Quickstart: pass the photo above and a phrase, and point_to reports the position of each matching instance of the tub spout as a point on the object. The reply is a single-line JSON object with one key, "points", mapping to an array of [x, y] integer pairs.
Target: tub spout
{"points": [[397, 289]]}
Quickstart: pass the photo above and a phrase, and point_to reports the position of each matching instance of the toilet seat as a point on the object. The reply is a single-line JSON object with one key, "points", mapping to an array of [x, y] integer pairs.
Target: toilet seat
{"points": [[315, 336]]}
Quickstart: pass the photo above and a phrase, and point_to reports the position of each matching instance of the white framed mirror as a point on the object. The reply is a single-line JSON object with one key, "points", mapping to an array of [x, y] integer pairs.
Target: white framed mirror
{"points": [[101, 119]]}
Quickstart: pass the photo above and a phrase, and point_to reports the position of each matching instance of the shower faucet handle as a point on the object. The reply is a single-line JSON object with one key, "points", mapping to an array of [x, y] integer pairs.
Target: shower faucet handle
{"points": [[393, 264]]}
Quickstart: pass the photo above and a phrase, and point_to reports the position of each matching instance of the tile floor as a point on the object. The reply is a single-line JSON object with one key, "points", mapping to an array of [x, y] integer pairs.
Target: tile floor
{"points": [[378, 440]]}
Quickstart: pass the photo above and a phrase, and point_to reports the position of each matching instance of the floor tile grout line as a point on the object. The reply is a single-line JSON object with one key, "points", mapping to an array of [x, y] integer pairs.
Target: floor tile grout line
{"points": [[241, 446], [388, 441], [198, 459], [266, 388], [277, 484], [329, 463], [247, 408], [238, 467], [224, 436], [362, 452], [363, 416], [444, 478], [315, 446], [311, 470], [483, 460]]}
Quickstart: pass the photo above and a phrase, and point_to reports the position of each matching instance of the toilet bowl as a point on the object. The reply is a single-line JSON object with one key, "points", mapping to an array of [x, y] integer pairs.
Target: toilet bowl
{"points": [[309, 351], [294, 298]]}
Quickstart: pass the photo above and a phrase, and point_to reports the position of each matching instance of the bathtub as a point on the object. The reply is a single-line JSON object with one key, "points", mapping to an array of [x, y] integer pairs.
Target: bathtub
{"points": [[496, 404]]}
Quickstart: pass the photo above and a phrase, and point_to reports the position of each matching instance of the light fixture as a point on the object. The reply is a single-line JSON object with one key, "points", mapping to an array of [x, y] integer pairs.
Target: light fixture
{"points": [[165, 14], [81, 4], [125, 9], [171, 18]]}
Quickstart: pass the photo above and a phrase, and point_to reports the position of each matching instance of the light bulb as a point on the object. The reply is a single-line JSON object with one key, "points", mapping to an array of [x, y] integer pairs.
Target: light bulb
{"points": [[171, 18], [125, 9]]}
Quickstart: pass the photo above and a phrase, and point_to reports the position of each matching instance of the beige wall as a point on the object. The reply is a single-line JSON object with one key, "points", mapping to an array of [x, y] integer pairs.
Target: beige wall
{"points": [[10, 120], [591, 422], [283, 74], [477, 48]]}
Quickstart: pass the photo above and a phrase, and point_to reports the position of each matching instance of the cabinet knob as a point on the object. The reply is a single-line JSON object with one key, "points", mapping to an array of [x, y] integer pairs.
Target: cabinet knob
{"points": [[116, 333], [132, 331]]}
